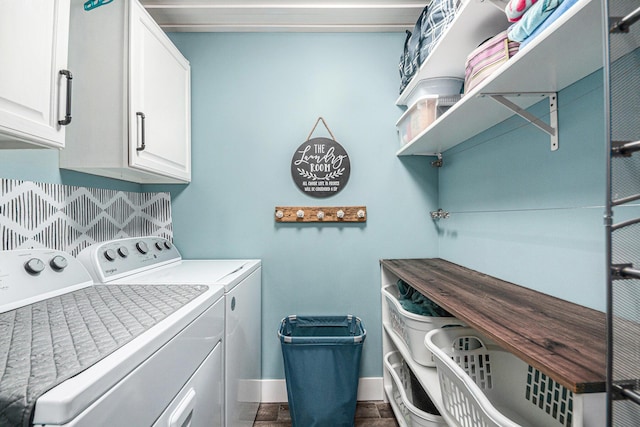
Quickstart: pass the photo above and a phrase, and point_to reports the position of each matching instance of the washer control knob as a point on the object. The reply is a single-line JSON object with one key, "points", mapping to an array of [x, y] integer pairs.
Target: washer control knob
{"points": [[34, 266], [167, 244], [123, 252], [110, 255], [58, 263], [142, 247], [159, 246]]}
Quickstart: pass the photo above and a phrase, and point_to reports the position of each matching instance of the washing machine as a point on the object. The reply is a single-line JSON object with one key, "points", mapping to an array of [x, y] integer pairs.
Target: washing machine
{"points": [[146, 260], [77, 353]]}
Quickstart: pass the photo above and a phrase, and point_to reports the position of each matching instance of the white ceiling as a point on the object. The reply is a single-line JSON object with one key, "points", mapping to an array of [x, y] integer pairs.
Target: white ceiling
{"points": [[285, 15]]}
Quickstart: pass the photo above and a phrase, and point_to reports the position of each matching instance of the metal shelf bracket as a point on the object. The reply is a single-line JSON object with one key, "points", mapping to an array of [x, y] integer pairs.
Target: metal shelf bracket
{"points": [[438, 162], [551, 128]]}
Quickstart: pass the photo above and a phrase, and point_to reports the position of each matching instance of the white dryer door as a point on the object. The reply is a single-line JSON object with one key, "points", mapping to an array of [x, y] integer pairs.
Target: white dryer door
{"points": [[243, 331]]}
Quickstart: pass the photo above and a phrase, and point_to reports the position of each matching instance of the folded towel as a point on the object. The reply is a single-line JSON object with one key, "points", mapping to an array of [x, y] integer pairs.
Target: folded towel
{"points": [[566, 4], [516, 8], [534, 16]]}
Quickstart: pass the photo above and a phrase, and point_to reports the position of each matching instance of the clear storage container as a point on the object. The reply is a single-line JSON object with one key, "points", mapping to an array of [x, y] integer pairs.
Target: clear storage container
{"points": [[420, 116], [438, 86]]}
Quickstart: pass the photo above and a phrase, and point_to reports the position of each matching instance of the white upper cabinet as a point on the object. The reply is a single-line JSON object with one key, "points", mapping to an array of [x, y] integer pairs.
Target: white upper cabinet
{"points": [[159, 85], [132, 97], [34, 79]]}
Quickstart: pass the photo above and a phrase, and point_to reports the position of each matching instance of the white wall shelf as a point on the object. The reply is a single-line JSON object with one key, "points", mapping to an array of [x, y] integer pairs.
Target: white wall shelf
{"points": [[568, 50], [476, 21]]}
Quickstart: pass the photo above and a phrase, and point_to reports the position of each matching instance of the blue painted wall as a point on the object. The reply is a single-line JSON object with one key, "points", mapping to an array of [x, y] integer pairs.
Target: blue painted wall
{"points": [[519, 211], [255, 98], [529, 215]]}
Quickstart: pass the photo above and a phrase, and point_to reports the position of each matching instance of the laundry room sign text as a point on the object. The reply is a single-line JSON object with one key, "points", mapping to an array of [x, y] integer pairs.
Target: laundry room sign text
{"points": [[320, 167]]}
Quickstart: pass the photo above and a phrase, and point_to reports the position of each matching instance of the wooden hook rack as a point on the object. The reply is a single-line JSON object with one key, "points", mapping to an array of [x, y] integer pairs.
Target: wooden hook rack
{"points": [[320, 214]]}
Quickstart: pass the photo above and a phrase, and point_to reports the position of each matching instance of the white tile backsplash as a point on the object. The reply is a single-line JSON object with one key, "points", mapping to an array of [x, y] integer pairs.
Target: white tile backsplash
{"points": [[70, 218]]}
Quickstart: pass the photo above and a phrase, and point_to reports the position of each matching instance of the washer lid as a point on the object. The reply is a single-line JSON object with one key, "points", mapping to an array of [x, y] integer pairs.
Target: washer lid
{"points": [[70, 398]]}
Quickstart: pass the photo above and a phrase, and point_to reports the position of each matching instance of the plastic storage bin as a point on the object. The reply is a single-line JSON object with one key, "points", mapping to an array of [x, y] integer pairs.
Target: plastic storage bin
{"points": [[438, 86], [420, 116], [412, 328], [322, 367], [484, 385], [402, 395]]}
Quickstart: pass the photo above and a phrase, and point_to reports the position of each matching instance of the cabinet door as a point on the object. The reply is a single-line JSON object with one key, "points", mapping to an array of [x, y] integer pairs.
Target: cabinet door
{"points": [[160, 101], [34, 37]]}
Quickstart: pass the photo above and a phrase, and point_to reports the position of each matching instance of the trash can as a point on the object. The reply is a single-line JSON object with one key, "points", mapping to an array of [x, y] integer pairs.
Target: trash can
{"points": [[322, 367]]}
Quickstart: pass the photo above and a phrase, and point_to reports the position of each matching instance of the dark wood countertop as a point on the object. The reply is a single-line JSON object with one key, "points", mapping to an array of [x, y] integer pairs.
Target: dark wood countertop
{"points": [[564, 340]]}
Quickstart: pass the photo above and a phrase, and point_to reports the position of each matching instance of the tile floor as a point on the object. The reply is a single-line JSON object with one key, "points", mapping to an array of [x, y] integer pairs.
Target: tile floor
{"points": [[368, 414]]}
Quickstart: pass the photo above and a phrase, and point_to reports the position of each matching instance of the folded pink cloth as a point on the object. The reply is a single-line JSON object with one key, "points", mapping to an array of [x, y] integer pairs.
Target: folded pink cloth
{"points": [[516, 8]]}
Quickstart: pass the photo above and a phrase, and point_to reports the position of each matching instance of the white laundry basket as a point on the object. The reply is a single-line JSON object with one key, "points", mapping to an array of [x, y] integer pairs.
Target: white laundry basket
{"points": [[402, 395], [412, 328], [483, 385]]}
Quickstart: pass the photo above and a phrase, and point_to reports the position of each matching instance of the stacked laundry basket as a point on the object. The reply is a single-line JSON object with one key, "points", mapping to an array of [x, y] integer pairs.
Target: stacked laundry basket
{"points": [[411, 404]]}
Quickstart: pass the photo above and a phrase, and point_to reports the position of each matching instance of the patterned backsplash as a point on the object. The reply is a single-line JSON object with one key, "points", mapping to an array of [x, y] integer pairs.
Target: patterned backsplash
{"points": [[70, 218]]}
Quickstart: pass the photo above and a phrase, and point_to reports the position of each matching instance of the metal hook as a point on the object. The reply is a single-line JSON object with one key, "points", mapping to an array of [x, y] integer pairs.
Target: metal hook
{"points": [[439, 214]]}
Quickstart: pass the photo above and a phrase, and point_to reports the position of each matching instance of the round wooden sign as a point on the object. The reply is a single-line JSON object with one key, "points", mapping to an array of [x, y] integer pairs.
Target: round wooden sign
{"points": [[320, 167]]}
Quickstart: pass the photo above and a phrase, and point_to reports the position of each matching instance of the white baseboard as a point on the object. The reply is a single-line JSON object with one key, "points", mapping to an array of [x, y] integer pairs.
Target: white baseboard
{"points": [[275, 391]]}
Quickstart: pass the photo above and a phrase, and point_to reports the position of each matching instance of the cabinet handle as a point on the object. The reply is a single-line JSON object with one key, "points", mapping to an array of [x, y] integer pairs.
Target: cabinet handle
{"points": [[142, 117], [67, 116]]}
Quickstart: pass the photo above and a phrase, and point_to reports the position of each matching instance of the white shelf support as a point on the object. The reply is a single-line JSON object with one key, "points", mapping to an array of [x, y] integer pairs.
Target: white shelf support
{"points": [[551, 128]]}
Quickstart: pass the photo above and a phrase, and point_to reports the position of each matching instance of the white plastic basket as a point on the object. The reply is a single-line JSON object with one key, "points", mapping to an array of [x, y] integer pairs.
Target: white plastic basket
{"points": [[484, 385], [402, 395], [412, 328]]}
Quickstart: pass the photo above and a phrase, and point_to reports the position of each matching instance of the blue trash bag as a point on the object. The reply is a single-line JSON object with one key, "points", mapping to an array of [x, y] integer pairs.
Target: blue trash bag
{"points": [[322, 367]]}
